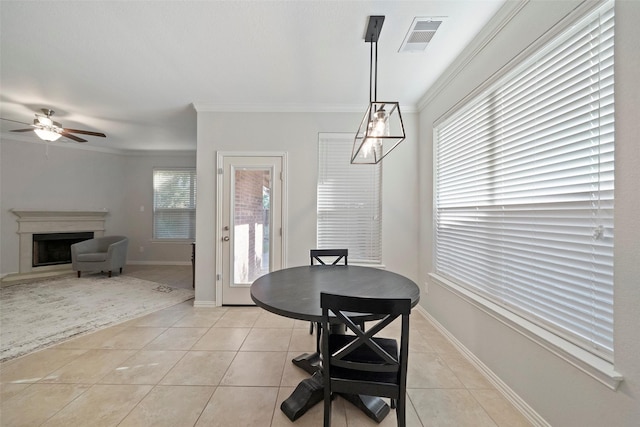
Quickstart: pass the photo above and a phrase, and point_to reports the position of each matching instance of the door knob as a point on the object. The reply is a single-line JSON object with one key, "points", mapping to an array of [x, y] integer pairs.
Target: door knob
{"points": [[225, 238]]}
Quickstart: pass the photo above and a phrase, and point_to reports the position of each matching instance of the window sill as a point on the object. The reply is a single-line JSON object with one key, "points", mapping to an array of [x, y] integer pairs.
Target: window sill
{"points": [[364, 264], [588, 363]]}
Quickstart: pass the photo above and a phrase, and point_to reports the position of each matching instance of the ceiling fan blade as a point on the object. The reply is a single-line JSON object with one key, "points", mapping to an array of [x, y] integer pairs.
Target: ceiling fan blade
{"points": [[85, 132], [15, 121], [68, 135], [21, 130]]}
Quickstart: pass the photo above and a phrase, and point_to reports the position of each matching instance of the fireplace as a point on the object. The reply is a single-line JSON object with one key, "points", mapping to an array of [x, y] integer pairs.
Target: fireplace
{"points": [[54, 226], [55, 248]]}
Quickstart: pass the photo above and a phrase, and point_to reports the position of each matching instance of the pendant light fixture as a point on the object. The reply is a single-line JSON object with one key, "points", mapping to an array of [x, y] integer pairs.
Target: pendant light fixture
{"points": [[381, 128]]}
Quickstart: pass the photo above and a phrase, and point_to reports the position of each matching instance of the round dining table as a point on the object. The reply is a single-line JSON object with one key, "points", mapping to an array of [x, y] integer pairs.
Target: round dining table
{"points": [[295, 293]]}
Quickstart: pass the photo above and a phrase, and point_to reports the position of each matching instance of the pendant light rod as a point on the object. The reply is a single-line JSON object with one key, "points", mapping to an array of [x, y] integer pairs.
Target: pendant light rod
{"points": [[374, 27], [373, 73], [375, 76]]}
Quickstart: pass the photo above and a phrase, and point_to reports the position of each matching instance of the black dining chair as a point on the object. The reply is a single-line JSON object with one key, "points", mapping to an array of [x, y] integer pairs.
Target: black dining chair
{"points": [[326, 257], [365, 363], [331, 256]]}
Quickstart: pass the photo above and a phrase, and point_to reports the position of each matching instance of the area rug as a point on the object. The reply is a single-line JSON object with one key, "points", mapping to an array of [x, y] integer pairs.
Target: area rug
{"points": [[39, 314]]}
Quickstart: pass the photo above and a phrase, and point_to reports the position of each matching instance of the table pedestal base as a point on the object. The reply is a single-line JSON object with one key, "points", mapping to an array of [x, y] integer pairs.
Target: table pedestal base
{"points": [[373, 407], [306, 395], [308, 362], [310, 391], [311, 362]]}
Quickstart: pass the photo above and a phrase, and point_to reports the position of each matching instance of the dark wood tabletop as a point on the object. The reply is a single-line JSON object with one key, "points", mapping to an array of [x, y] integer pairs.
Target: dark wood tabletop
{"points": [[295, 292]]}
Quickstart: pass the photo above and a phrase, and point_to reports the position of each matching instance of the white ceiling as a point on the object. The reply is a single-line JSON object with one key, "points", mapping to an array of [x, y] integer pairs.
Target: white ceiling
{"points": [[134, 69]]}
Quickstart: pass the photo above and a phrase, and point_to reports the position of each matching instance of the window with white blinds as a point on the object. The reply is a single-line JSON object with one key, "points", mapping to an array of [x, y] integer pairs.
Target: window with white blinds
{"points": [[174, 203], [349, 201], [524, 188]]}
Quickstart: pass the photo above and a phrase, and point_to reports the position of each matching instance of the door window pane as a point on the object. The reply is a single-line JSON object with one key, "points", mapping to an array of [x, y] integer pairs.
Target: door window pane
{"points": [[251, 219]]}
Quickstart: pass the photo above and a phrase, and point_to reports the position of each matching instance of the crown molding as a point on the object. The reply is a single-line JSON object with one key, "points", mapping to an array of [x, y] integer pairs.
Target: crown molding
{"points": [[207, 107], [500, 20]]}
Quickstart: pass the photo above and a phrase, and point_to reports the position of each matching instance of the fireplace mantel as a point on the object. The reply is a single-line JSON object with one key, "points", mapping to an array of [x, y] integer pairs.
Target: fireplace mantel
{"points": [[32, 214], [40, 221]]}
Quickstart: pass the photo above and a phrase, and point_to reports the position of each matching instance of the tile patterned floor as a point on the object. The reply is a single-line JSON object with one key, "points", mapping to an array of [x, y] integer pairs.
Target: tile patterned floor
{"points": [[186, 366]]}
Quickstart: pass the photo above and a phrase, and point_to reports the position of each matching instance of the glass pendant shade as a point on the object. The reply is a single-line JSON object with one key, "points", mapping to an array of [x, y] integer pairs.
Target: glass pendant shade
{"points": [[380, 131]]}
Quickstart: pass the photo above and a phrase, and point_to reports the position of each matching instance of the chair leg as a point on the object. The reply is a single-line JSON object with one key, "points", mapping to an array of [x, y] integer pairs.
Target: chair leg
{"points": [[327, 407], [120, 270], [79, 273], [318, 336], [109, 273], [401, 414]]}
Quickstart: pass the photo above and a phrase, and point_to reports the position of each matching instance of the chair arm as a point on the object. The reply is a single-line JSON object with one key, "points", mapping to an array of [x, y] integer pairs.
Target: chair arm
{"points": [[117, 253]]}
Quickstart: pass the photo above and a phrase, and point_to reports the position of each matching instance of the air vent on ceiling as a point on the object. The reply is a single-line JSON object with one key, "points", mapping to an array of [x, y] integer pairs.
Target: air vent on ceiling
{"points": [[420, 34]]}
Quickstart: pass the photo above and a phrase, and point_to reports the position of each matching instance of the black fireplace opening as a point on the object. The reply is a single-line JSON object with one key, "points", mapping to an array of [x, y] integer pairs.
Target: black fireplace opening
{"points": [[55, 248]]}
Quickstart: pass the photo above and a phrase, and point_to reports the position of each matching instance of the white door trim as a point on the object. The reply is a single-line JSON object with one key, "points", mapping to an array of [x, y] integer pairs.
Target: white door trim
{"points": [[220, 155]]}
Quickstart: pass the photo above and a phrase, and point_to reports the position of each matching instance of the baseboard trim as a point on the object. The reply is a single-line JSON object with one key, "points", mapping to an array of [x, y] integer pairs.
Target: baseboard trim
{"points": [[204, 304], [158, 262], [527, 411]]}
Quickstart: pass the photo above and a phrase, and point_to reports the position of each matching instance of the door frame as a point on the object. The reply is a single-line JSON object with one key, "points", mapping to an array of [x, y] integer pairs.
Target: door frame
{"points": [[218, 232]]}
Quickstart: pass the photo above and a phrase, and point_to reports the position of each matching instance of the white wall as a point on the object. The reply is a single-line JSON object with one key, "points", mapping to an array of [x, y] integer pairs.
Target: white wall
{"points": [[297, 134], [139, 208], [56, 177], [60, 176], [555, 389]]}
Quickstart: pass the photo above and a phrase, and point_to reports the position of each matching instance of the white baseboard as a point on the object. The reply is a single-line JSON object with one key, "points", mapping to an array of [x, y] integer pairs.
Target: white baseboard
{"points": [[204, 304], [159, 262], [527, 411]]}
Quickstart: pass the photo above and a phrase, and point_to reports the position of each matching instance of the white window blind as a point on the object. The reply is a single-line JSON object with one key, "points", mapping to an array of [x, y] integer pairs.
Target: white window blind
{"points": [[349, 201], [524, 188], [174, 203]]}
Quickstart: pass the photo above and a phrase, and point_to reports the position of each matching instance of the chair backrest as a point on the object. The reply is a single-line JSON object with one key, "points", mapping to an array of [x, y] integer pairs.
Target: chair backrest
{"points": [[376, 357], [105, 241], [328, 256]]}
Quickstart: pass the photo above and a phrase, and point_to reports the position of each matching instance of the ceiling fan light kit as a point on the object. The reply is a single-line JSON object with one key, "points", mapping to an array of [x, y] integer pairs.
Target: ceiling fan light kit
{"points": [[48, 130], [381, 128], [47, 135], [45, 128]]}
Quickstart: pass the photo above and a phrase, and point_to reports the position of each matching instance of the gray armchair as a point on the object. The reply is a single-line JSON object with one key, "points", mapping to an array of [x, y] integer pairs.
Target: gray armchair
{"points": [[106, 253]]}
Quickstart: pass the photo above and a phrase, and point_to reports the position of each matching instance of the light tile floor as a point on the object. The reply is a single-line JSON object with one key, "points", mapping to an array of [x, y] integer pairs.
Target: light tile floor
{"points": [[186, 366]]}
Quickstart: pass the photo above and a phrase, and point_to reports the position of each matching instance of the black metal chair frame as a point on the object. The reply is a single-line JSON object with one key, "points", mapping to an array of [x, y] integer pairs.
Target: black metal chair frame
{"points": [[365, 363]]}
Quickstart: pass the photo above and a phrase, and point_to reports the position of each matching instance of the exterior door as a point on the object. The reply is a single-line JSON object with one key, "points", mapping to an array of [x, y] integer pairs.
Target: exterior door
{"points": [[250, 238]]}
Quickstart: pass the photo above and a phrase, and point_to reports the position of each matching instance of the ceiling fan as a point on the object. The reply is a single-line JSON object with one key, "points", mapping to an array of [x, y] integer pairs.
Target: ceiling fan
{"points": [[48, 130]]}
